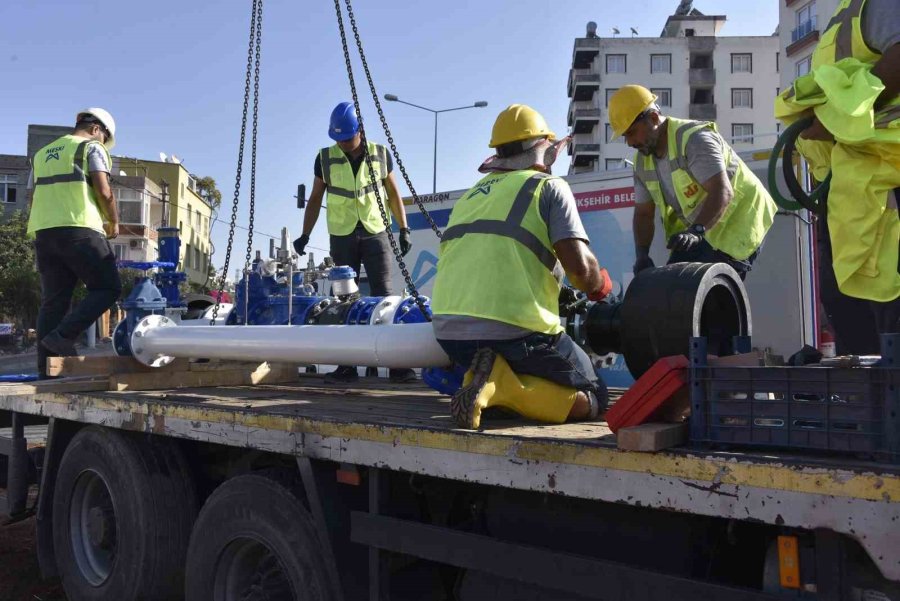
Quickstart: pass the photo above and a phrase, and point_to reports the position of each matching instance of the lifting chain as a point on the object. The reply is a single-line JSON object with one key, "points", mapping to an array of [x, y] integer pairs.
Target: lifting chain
{"points": [[372, 181], [252, 49]]}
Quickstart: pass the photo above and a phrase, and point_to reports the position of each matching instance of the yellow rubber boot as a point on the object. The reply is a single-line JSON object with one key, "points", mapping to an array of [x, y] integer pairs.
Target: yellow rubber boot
{"points": [[492, 383]]}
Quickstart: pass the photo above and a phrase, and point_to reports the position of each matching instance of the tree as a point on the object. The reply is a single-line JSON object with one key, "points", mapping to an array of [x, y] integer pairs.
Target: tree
{"points": [[20, 287], [206, 187]]}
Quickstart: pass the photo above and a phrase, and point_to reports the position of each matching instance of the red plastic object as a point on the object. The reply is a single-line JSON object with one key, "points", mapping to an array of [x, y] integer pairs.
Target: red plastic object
{"points": [[649, 393]]}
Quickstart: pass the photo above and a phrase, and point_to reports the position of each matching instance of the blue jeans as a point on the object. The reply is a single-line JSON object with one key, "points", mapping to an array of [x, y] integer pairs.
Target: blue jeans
{"points": [[705, 253], [553, 357]]}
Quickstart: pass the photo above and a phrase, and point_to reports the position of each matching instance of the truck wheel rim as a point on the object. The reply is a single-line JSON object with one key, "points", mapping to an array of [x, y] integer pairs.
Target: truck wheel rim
{"points": [[92, 527], [248, 570]]}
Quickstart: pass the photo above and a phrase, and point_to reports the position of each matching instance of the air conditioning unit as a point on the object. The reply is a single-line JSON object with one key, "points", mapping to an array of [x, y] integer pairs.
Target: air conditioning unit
{"points": [[138, 244]]}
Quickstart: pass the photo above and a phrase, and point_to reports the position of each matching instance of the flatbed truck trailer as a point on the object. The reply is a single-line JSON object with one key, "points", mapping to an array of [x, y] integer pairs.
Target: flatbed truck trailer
{"points": [[311, 491]]}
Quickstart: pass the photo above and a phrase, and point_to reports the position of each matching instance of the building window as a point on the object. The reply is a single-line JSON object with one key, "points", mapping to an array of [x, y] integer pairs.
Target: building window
{"points": [[188, 256], [663, 96], [615, 63], [806, 22], [119, 251], [609, 93], [742, 133], [660, 63], [609, 133], [742, 63], [8, 187], [803, 66], [198, 263], [131, 206], [777, 62], [615, 164], [741, 98], [190, 214]]}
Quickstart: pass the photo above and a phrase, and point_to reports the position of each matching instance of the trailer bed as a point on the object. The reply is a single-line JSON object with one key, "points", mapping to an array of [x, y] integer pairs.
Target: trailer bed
{"points": [[408, 428]]}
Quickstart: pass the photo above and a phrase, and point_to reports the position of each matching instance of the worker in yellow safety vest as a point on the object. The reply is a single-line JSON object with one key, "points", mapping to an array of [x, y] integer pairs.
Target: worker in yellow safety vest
{"points": [[73, 213], [714, 209], [356, 222], [508, 242], [852, 92]]}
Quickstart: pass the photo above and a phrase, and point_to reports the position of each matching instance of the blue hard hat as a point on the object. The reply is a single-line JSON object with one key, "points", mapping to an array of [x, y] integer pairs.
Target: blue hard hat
{"points": [[344, 123]]}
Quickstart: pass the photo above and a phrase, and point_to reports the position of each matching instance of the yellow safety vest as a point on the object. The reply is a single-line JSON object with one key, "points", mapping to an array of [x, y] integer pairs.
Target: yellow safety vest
{"points": [[496, 259], [862, 214], [749, 215], [351, 199], [63, 194]]}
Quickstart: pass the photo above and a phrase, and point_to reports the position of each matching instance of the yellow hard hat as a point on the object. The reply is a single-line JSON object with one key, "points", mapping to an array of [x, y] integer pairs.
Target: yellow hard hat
{"points": [[626, 104], [519, 122]]}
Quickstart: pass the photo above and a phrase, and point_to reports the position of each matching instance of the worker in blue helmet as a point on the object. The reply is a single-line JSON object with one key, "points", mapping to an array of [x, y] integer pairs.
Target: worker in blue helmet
{"points": [[355, 223]]}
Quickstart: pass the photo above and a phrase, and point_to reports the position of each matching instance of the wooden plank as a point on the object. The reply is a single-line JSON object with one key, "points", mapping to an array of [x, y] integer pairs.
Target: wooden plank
{"points": [[105, 365], [225, 365], [74, 384], [651, 437], [262, 374]]}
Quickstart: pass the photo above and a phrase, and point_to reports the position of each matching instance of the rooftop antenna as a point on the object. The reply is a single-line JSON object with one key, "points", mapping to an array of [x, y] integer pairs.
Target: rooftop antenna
{"points": [[163, 157], [174, 159], [616, 31], [634, 32]]}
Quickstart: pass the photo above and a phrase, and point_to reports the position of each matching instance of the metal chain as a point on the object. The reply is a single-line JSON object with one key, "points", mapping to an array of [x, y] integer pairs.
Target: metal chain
{"points": [[373, 183], [384, 125], [255, 129], [240, 162]]}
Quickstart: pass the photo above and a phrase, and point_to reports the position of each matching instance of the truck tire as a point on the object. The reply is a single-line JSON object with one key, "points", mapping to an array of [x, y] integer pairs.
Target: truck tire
{"points": [[254, 539], [123, 508]]}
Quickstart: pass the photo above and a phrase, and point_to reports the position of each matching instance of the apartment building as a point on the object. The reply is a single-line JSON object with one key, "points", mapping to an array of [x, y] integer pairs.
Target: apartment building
{"points": [[173, 201], [695, 72]]}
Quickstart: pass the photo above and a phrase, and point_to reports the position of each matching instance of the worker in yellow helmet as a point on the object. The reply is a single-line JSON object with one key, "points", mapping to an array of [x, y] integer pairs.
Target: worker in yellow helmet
{"points": [[852, 92], [73, 213], [496, 295], [714, 209]]}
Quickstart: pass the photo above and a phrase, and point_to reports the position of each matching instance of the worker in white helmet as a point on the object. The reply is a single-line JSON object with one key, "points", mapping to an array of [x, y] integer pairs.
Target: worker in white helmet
{"points": [[73, 214]]}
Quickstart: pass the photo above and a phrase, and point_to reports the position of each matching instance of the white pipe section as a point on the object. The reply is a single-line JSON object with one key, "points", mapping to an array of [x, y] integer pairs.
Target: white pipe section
{"points": [[394, 345]]}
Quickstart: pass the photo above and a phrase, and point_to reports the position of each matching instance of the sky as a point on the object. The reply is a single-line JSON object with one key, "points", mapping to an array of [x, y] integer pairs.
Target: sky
{"points": [[172, 75]]}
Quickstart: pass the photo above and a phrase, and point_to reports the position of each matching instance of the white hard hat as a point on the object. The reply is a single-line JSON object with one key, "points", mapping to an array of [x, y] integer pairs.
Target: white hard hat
{"points": [[103, 116]]}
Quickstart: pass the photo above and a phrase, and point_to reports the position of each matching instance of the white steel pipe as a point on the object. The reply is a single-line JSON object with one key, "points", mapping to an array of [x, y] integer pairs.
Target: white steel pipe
{"points": [[156, 342]]}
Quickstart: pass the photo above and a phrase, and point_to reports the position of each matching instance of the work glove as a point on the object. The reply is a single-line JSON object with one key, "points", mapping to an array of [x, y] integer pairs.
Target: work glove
{"points": [[687, 240], [405, 244], [604, 290], [642, 262], [300, 244], [568, 297]]}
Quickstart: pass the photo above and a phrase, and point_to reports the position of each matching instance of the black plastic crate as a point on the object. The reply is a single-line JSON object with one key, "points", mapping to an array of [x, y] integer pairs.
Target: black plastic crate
{"points": [[852, 410]]}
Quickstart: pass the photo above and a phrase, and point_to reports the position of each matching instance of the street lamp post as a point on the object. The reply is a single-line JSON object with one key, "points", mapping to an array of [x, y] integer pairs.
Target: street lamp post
{"points": [[479, 104]]}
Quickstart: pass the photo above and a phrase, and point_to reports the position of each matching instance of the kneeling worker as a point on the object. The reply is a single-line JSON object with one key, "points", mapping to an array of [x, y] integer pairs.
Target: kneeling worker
{"points": [[714, 209], [496, 295]]}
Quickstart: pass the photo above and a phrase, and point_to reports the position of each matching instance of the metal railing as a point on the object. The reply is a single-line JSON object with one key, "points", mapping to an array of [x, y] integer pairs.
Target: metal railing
{"points": [[804, 29]]}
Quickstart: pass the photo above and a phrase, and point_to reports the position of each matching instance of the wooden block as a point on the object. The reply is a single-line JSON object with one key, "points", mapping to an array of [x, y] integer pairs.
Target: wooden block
{"points": [[651, 437], [226, 365], [258, 374], [105, 365]]}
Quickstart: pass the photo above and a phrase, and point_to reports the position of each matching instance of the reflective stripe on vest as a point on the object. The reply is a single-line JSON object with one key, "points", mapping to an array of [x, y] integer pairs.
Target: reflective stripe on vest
{"points": [[63, 194], [496, 259], [351, 197], [742, 227]]}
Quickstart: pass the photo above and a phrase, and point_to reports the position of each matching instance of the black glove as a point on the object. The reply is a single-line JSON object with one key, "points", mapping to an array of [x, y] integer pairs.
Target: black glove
{"points": [[300, 244], [405, 244], [688, 239], [642, 262]]}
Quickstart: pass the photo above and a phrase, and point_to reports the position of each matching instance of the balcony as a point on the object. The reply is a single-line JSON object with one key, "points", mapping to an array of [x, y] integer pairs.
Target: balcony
{"points": [[804, 29], [582, 86], [586, 50], [702, 112], [582, 121], [701, 78], [585, 154]]}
